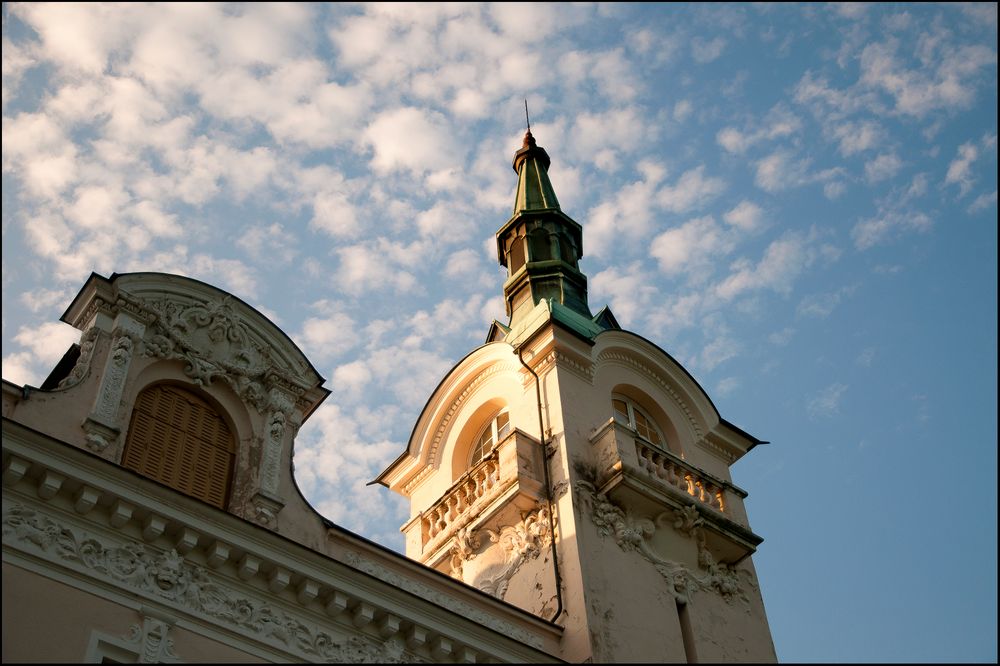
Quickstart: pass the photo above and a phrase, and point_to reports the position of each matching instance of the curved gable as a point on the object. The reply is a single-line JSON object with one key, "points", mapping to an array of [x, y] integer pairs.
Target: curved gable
{"points": [[449, 405]]}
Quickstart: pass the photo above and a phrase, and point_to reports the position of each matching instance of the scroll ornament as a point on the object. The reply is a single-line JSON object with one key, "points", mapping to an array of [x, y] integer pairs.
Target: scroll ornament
{"points": [[634, 534], [167, 575]]}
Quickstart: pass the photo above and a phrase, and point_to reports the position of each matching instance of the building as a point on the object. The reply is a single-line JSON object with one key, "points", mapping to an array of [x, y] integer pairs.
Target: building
{"points": [[568, 480]]}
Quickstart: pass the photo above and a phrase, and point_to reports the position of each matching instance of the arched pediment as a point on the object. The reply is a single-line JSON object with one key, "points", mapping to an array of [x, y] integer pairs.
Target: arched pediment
{"points": [[700, 415], [215, 335], [645, 358], [454, 396]]}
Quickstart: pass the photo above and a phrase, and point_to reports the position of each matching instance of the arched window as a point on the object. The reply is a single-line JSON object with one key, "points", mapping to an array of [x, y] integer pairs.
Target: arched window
{"points": [[630, 414], [180, 440], [495, 430]]}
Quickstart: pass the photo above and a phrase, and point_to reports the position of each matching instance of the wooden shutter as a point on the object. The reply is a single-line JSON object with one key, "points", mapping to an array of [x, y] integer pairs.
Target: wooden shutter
{"points": [[178, 439]]}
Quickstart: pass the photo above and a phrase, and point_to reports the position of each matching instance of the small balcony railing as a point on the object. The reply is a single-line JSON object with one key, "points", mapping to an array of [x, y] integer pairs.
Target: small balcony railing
{"points": [[618, 448], [512, 470]]}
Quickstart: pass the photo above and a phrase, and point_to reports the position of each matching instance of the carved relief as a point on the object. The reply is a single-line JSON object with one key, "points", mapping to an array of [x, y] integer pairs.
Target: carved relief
{"points": [[280, 406], [629, 360], [634, 534], [153, 641], [442, 599], [82, 367], [167, 575], [113, 382], [517, 543], [214, 343], [453, 409]]}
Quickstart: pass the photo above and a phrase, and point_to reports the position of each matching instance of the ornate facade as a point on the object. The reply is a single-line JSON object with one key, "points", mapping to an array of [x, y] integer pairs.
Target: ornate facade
{"points": [[569, 487]]}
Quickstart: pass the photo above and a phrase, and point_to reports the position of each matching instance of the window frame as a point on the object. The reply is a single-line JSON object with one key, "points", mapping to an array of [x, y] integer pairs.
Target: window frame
{"points": [[480, 451], [633, 408]]}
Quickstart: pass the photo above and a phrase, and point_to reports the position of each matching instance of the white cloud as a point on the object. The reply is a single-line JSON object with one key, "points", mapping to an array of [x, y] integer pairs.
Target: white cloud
{"points": [[694, 247], [783, 261], [916, 92], [983, 201], [779, 122], [887, 225], [727, 385], [366, 266], [782, 337], [856, 137], [629, 291], [781, 170], [329, 336], [883, 167], [692, 190], [822, 305], [707, 50], [826, 403], [777, 172], [960, 169], [411, 139], [48, 342], [746, 216], [718, 351], [683, 110]]}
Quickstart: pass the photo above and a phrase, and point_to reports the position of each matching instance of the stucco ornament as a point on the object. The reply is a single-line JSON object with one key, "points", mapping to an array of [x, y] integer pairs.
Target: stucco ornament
{"points": [[214, 343], [634, 534], [436, 596], [82, 366], [153, 641], [516, 544], [168, 576]]}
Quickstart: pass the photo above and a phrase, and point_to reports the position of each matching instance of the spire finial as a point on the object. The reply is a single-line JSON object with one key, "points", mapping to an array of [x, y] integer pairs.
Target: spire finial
{"points": [[529, 140]]}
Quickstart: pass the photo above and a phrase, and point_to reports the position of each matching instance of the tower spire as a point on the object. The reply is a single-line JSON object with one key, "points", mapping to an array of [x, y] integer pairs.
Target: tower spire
{"points": [[541, 247]]}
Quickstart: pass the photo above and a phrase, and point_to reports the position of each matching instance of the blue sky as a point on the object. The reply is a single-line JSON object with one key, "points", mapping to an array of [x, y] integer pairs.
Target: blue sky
{"points": [[798, 202]]}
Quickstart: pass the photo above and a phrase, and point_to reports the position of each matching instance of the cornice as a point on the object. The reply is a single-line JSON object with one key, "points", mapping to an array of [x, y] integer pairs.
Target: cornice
{"points": [[631, 360], [80, 513]]}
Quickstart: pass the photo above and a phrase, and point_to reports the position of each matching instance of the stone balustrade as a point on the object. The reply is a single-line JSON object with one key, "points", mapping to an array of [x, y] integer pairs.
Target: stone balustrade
{"points": [[511, 471], [481, 482], [618, 448], [674, 471]]}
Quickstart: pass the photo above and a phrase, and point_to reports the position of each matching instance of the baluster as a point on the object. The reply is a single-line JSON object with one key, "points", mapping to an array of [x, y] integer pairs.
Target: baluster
{"points": [[661, 466], [441, 523], [721, 499], [689, 480], [681, 482]]}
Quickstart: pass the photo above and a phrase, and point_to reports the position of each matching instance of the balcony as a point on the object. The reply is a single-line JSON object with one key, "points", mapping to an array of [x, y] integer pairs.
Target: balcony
{"points": [[647, 478], [511, 476]]}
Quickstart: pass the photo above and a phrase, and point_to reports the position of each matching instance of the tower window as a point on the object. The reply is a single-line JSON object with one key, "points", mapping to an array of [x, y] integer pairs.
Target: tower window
{"points": [[180, 440], [630, 414], [492, 434]]}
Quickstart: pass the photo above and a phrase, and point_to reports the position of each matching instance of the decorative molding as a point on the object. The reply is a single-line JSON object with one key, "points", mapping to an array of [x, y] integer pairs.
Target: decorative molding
{"points": [[82, 366], [214, 343], [470, 387], [152, 641], [113, 381], [569, 362], [167, 576], [518, 543], [442, 599], [281, 406], [634, 534], [635, 363]]}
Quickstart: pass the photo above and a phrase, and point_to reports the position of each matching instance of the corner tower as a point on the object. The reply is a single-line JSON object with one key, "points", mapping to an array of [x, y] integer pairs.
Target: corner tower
{"points": [[578, 471]]}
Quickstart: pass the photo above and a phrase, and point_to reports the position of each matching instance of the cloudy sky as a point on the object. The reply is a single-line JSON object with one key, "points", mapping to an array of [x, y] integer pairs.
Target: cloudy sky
{"points": [[799, 203]]}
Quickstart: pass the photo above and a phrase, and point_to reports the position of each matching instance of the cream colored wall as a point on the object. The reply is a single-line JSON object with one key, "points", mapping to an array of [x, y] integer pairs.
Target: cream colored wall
{"points": [[45, 620]]}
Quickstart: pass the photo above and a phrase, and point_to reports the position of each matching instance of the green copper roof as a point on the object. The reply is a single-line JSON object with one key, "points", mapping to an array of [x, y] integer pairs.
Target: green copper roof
{"points": [[549, 309], [534, 190]]}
